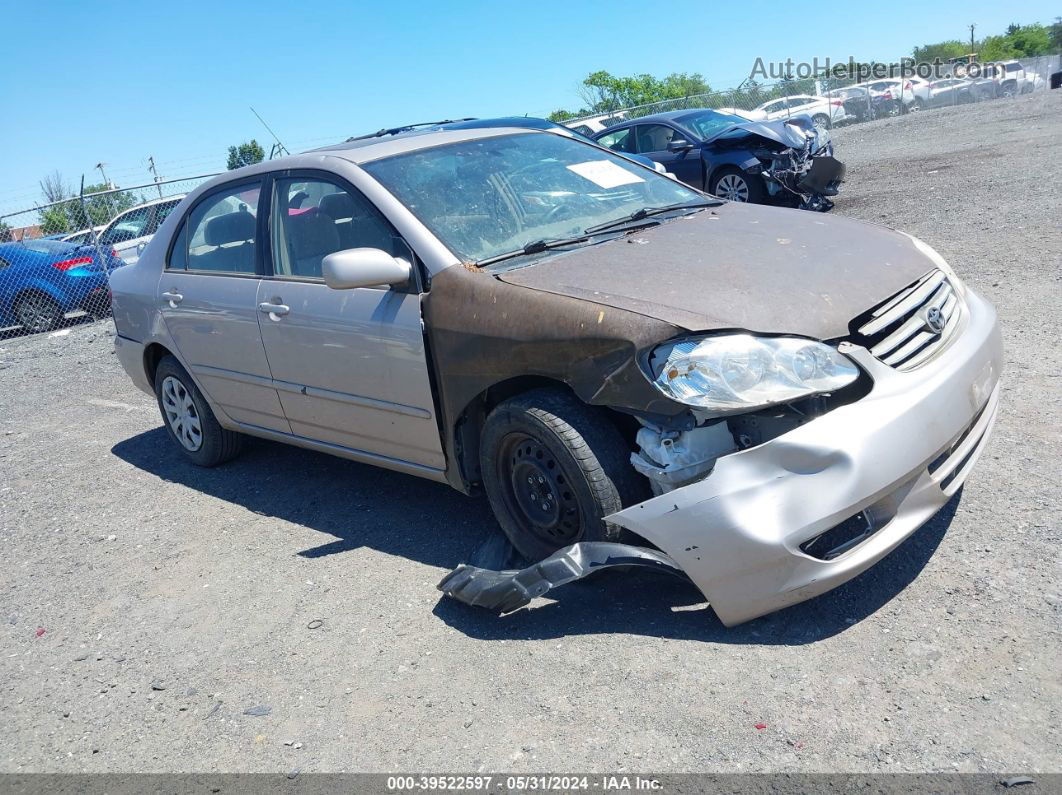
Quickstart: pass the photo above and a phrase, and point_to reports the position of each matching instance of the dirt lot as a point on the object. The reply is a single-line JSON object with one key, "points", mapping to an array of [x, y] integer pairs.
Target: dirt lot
{"points": [[174, 600]]}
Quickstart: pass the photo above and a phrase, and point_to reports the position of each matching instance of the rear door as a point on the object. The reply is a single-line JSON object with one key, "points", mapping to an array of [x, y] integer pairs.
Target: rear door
{"points": [[350, 365], [208, 298]]}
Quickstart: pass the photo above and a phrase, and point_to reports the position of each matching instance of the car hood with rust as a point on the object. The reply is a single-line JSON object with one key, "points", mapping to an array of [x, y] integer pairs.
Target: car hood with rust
{"points": [[737, 266]]}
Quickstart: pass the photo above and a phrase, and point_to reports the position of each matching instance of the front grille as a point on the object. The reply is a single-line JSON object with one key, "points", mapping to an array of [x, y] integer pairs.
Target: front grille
{"points": [[899, 332]]}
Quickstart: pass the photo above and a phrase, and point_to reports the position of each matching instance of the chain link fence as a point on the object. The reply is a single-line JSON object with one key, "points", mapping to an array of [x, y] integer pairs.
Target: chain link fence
{"points": [[56, 258], [851, 100]]}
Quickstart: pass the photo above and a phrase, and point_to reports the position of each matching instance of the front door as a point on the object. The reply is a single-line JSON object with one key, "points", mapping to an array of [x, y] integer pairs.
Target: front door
{"points": [[349, 365], [208, 295], [652, 141]]}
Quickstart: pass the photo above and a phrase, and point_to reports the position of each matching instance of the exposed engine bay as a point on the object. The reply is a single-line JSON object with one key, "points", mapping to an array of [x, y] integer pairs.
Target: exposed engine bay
{"points": [[799, 167]]}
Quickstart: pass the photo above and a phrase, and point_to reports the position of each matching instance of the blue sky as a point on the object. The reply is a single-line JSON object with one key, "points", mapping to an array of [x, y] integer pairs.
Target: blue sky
{"points": [[118, 81]]}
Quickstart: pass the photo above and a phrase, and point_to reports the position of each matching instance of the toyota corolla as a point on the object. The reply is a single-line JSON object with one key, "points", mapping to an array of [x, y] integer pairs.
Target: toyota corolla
{"points": [[762, 400]]}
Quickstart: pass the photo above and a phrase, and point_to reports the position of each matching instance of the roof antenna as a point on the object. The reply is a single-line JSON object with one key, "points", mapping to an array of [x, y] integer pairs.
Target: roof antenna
{"points": [[283, 149]]}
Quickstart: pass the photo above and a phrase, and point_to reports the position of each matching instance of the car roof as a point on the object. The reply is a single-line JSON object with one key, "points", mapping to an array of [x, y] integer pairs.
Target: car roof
{"points": [[364, 150], [174, 198]]}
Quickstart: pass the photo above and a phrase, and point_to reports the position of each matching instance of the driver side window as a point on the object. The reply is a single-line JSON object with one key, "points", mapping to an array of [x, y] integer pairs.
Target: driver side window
{"points": [[654, 138]]}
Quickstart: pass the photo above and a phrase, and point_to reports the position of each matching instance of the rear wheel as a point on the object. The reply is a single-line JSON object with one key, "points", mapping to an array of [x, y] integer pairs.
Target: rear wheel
{"points": [[553, 468], [735, 185], [190, 423], [37, 312]]}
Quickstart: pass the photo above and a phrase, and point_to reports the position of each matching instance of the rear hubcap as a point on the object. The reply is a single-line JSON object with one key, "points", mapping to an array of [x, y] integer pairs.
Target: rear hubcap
{"points": [[181, 414], [538, 491]]}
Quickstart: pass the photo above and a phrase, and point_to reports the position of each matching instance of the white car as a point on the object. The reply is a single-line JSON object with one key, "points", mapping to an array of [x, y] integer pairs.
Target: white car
{"points": [[824, 112], [912, 92], [595, 124], [130, 231]]}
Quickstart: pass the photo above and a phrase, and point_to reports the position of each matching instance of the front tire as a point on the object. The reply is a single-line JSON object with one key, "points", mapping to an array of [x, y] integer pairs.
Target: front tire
{"points": [[821, 120], [735, 185], [189, 422], [553, 468], [37, 312]]}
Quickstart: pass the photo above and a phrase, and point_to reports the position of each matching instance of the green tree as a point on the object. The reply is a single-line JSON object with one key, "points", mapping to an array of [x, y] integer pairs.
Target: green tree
{"points": [[1055, 33], [5, 233], [944, 50], [1017, 42], [561, 115], [246, 154]]}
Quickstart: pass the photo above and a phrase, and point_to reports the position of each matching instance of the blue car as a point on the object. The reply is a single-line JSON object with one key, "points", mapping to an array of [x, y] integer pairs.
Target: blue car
{"points": [[786, 162], [42, 280]]}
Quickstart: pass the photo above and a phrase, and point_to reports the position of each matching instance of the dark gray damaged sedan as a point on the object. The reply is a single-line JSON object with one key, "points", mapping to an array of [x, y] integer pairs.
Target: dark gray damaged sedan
{"points": [[763, 400]]}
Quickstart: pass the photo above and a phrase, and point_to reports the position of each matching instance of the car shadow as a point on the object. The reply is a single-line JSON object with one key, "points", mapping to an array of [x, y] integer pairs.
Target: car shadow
{"points": [[352, 505], [358, 505]]}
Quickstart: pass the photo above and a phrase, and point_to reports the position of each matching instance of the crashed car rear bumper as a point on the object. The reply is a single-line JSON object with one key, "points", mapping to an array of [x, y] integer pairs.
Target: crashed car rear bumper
{"points": [[746, 534]]}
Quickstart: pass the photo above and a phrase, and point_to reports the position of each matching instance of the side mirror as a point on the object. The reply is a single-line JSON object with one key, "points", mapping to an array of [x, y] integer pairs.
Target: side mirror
{"points": [[363, 267], [679, 145]]}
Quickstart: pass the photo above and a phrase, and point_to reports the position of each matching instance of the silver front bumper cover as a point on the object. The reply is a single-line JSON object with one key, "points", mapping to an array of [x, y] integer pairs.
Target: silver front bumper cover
{"points": [[899, 454]]}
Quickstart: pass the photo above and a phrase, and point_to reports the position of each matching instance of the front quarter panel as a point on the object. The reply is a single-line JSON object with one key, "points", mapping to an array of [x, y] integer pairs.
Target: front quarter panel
{"points": [[483, 331]]}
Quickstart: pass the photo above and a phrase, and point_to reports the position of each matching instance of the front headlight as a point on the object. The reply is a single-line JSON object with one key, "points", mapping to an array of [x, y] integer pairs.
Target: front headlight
{"points": [[934, 256], [739, 371]]}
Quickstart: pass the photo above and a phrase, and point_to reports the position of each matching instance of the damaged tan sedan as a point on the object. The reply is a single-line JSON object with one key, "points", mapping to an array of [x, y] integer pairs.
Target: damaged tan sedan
{"points": [[764, 401]]}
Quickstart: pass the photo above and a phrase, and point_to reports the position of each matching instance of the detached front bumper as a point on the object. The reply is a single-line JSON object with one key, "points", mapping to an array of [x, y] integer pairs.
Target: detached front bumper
{"points": [[893, 458]]}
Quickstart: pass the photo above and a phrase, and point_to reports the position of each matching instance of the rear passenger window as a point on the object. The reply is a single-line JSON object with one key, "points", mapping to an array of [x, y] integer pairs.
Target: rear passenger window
{"points": [[619, 141], [314, 218], [219, 234]]}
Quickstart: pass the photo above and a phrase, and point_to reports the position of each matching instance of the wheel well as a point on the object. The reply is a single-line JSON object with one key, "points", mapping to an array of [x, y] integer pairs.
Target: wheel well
{"points": [[153, 354], [33, 291], [470, 422]]}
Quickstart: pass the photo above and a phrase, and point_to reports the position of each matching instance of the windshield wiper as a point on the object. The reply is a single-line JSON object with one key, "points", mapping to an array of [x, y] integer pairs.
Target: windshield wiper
{"points": [[647, 212], [534, 247]]}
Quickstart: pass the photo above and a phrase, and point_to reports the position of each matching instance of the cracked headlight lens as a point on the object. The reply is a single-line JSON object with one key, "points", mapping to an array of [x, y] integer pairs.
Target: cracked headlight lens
{"points": [[740, 371]]}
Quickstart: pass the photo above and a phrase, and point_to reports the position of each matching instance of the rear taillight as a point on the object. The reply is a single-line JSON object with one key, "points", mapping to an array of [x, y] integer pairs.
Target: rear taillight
{"points": [[114, 253], [908, 87], [887, 95], [67, 264], [836, 103]]}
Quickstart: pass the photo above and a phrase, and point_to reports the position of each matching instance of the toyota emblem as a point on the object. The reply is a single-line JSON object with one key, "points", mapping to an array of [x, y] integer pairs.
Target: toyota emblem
{"points": [[934, 319]]}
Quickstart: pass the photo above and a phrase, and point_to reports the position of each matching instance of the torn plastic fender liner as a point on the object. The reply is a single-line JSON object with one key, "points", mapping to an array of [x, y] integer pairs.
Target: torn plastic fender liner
{"points": [[506, 591]]}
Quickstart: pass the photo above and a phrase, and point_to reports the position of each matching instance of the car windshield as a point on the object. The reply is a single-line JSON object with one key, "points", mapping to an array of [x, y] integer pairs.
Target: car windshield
{"points": [[489, 196], [709, 123]]}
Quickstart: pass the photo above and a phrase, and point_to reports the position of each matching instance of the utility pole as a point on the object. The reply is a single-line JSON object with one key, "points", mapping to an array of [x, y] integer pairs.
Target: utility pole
{"points": [[972, 26], [155, 173], [106, 181]]}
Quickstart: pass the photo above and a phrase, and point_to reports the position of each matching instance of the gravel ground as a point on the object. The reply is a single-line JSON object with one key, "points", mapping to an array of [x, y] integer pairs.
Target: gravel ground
{"points": [[281, 613]]}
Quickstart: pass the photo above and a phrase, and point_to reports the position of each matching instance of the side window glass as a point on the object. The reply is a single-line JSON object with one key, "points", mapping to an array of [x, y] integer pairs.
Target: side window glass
{"points": [[178, 260], [619, 141], [314, 218], [219, 234], [654, 137], [128, 226]]}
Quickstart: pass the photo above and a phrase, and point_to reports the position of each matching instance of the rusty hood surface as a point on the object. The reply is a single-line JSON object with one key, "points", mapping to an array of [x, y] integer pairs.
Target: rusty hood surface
{"points": [[739, 266]]}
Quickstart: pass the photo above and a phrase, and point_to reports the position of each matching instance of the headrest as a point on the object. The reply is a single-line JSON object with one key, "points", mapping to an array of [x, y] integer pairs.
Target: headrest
{"points": [[312, 234], [337, 205], [229, 228]]}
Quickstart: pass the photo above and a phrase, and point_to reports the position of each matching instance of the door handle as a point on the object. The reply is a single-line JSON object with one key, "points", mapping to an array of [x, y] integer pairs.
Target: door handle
{"points": [[173, 298], [274, 309]]}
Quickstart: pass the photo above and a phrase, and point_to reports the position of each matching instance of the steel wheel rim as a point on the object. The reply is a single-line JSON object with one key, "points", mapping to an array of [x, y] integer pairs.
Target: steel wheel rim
{"points": [[181, 414], [732, 188], [37, 313], [537, 491]]}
